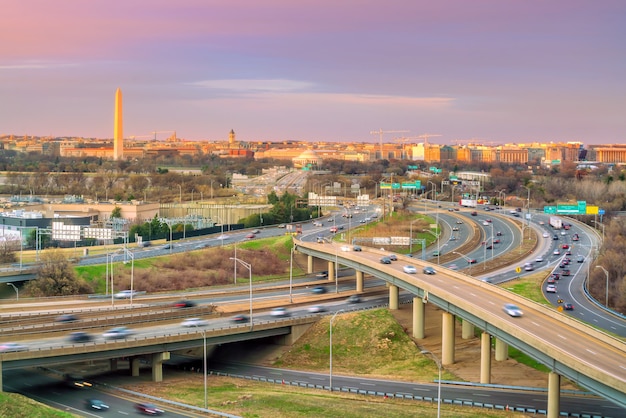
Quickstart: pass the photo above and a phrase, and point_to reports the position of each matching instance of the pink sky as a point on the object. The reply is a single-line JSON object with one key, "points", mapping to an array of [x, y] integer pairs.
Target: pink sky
{"points": [[494, 70]]}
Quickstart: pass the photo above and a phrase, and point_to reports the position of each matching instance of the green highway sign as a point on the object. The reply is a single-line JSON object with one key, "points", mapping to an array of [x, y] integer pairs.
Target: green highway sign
{"points": [[549, 209]]}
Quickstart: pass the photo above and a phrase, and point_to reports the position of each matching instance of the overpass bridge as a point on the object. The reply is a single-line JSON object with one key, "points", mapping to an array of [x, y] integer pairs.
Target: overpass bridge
{"points": [[569, 348]]}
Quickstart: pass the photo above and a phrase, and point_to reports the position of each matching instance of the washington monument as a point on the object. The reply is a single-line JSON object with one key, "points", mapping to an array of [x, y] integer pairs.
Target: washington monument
{"points": [[118, 128]]}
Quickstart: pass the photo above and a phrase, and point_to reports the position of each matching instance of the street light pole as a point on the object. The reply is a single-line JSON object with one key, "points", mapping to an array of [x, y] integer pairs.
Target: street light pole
{"points": [[17, 292], [330, 349], [439, 383], [607, 285], [204, 364], [249, 267], [291, 274]]}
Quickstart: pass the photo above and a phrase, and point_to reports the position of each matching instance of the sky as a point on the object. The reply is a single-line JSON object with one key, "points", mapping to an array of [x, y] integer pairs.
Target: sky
{"points": [[490, 71]]}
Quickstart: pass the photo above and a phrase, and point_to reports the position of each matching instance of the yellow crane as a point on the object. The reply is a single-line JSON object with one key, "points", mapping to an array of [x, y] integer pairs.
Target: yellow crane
{"points": [[381, 132]]}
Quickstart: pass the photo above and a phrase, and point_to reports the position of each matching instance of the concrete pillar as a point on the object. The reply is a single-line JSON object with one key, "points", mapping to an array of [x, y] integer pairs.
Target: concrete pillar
{"points": [[447, 338], [157, 365], [359, 281], [134, 366], [467, 330], [502, 350], [331, 271], [1, 388], [418, 318], [485, 358], [309, 264], [113, 364], [554, 395], [393, 297]]}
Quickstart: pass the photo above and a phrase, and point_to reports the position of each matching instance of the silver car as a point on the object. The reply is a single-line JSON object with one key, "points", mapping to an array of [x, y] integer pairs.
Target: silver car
{"points": [[512, 310]]}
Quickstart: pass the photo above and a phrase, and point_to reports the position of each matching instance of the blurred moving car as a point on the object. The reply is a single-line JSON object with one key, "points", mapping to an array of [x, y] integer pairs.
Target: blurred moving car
{"points": [[354, 299], [322, 274], [96, 405], [316, 309], [184, 304], [125, 294], [80, 337], [385, 260], [250, 236], [67, 318], [356, 248], [194, 322], [76, 381], [409, 269], [12, 347], [568, 307], [318, 290], [551, 288], [240, 318], [429, 270], [512, 310], [279, 312], [392, 257], [148, 409], [117, 333]]}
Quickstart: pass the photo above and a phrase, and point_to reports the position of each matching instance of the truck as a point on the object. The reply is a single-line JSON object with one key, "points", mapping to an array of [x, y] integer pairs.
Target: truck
{"points": [[468, 203], [556, 222]]}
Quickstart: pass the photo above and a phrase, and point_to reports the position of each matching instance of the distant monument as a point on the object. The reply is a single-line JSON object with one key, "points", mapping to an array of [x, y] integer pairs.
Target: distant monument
{"points": [[118, 128]]}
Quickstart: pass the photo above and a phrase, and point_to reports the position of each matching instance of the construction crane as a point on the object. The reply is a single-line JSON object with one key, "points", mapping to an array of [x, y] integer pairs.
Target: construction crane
{"points": [[426, 136], [161, 132], [133, 137], [381, 132]]}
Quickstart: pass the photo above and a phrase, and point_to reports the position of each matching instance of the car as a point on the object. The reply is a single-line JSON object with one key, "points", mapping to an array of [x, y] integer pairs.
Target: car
{"points": [[250, 236], [256, 231], [496, 241], [279, 312], [471, 261], [167, 246], [80, 337], [453, 267], [542, 223], [409, 269], [334, 229], [575, 237], [356, 248], [568, 306], [489, 247], [580, 259], [455, 228], [555, 276], [551, 288], [318, 224], [12, 347], [568, 252], [117, 333], [223, 237], [563, 232], [184, 304], [485, 223], [316, 309], [392, 257], [385, 260], [281, 226], [551, 280], [354, 299], [487, 280], [322, 274], [513, 310], [318, 290], [437, 253], [125, 294], [148, 409], [329, 220], [345, 248], [96, 405], [546, 235], [459, 222], [474, 213], [239, 318], [539, 259], [566, 273], [429, 270], [194, 322], [528, 267], [66, 318], [565, 246], [498, 234], [556, 252], [76, 381], [320, 240]]}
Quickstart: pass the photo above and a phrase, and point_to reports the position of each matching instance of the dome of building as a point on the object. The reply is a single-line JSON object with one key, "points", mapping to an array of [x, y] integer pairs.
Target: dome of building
{"points": [[306, 158]]}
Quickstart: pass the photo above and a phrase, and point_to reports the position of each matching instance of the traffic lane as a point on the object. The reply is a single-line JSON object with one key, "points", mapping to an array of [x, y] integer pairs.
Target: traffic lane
{"points": [[545, 327]]}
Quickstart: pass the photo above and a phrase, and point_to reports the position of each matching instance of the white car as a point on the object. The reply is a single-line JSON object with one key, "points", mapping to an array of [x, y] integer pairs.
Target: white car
{"points": [[512, 310], [551, 288], [556, 252], [117, 333], [409, 269], [345, 248], [546, 235], [279, 312], [194, 322], [316, 309], [539, 259], [125, 294]]}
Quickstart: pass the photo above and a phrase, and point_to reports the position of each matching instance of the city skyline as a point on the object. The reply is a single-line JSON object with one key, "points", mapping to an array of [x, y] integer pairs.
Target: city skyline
{"points": [[487, 70]]}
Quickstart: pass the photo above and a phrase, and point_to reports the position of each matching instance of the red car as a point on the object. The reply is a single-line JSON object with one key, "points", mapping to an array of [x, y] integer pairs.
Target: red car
{"points": [[148, 409], [471, 261]]}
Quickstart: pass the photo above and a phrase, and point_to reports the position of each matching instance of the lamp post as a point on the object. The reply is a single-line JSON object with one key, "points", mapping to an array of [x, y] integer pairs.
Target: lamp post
{"points": [[503, 200], [17, 292], [132, 272], [527, 210], [411, 235], [204, 363], [330, 349], [439, 382], [438, 242], [466, 258], [607, 285], [291, 273], [249, 267]]}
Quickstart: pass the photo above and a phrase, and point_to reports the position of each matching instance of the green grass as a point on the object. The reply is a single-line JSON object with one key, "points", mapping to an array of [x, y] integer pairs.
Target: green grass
{"points": [[14, 405]]}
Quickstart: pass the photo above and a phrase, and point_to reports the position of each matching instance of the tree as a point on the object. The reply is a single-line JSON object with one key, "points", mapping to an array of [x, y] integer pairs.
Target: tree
{"points": [[116, 212], [8, 250], [56, 277]]}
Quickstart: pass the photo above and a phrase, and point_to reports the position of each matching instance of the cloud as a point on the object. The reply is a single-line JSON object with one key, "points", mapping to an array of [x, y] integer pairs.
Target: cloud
{"points": [[252, 85], [35, 66]]}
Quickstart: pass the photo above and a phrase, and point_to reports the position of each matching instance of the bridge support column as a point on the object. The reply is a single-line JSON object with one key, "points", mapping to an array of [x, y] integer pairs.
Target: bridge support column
{"points": [[502, 350], [554, 395], [331, 271], [359, 281], [113, 364], [134, 366], [485, 358], [467, 330], [1, 382], [157, 365], [447, 338], [393, 297], [418, 318], [309, 264]]}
